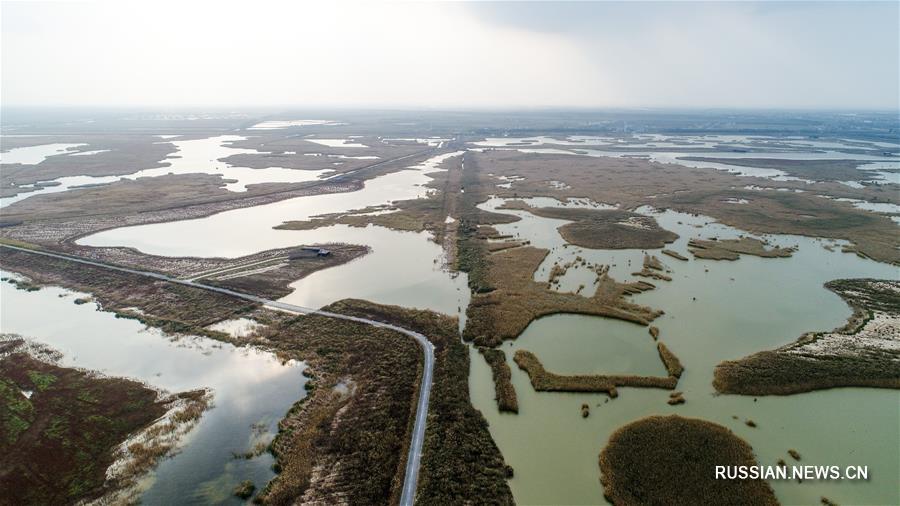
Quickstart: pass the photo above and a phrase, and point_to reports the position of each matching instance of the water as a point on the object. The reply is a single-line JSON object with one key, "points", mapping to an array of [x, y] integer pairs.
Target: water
{"points": [[664, 149], [338, 143], [280, 124], [742, 307], [33, 155], [250, 387], [552, 448], [238, 327], [434, 142], [404, 268], [200, 156]]}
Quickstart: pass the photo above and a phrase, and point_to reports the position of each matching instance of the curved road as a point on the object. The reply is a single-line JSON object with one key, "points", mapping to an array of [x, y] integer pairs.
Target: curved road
{"points": [[408, 496]]}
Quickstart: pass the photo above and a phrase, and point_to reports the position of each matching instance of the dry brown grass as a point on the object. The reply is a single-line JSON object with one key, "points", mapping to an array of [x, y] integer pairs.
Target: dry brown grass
{"points": [[629, 182], [415, 215], [674, 254], [127, 153], [606, 228], [545, 381], [494, 247], [518, 300], [275, 283], [673, 365], [503, 387], [671, 460], [731, 249], [844, 357], [676, 398]]}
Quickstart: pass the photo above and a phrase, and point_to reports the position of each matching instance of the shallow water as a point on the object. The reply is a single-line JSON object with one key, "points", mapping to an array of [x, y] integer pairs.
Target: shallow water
{"points": [[403, 268], [279, 124], [338, 143], [663, 149], [250, 387], [199, 156], [238, 327], [554, 450], [33, 155]]}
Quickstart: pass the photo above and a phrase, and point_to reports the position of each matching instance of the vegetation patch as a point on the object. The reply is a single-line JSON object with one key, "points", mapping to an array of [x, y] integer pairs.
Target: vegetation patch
{"points": [[628, 182], [862, 353], [244, 490], [505, 391], [732, 249], [673, 365], [517, 299], [813, 170], [545, 381], [272, 279], [604, 228], [460, 460], [676, 398], [652, 269], [336, 446], [176, 309], [674, 254], [61, 428], [672, 460]]}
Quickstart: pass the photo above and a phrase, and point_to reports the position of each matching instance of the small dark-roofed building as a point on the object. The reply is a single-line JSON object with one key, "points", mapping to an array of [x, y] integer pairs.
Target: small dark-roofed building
{"points": [[308, 252]]}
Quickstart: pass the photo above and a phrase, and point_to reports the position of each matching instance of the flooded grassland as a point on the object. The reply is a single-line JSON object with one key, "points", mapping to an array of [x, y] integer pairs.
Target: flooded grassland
{"points": [[250, 389], [597, 253], [708, 319]]}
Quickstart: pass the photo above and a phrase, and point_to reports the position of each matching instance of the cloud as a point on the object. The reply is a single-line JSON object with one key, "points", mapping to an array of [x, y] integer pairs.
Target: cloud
{"points": [[448, 54], [770, 54]]}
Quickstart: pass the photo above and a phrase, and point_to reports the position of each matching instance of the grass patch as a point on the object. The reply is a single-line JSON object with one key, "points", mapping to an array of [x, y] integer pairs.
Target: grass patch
{"points": [[605, 228], [545, 381], [852, 356], [517, 299], [503, 387], [58, 444], [176, 309], [732, 249], [673, 365], [672, 460], [460, 460]]}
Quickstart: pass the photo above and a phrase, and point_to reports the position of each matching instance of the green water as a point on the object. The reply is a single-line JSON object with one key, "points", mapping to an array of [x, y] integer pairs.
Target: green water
{"points": [[741, 307]]}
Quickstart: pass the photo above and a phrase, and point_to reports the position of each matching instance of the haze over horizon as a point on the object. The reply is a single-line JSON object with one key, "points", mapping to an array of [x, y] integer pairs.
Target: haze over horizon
{"points": [[833, 55]]}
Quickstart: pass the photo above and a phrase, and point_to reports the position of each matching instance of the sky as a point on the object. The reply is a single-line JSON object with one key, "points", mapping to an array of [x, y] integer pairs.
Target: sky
{"points": [[810, 55]]}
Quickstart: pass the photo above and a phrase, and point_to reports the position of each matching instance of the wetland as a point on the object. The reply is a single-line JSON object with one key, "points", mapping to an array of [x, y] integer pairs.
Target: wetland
{"points": [[588, 293]]}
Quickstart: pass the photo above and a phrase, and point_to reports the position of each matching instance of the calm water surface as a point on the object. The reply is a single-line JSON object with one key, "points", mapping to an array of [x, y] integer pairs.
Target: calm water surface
{"points": [[199, 156], [252, 389], [403, 268], [742, 307]]}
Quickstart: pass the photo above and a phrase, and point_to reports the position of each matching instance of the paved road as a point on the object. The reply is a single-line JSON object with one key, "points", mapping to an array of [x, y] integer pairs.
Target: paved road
{"points": [[408, 495]]}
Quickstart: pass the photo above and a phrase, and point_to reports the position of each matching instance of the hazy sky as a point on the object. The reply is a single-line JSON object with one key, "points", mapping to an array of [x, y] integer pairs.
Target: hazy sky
{"points": [[597, 54]]}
